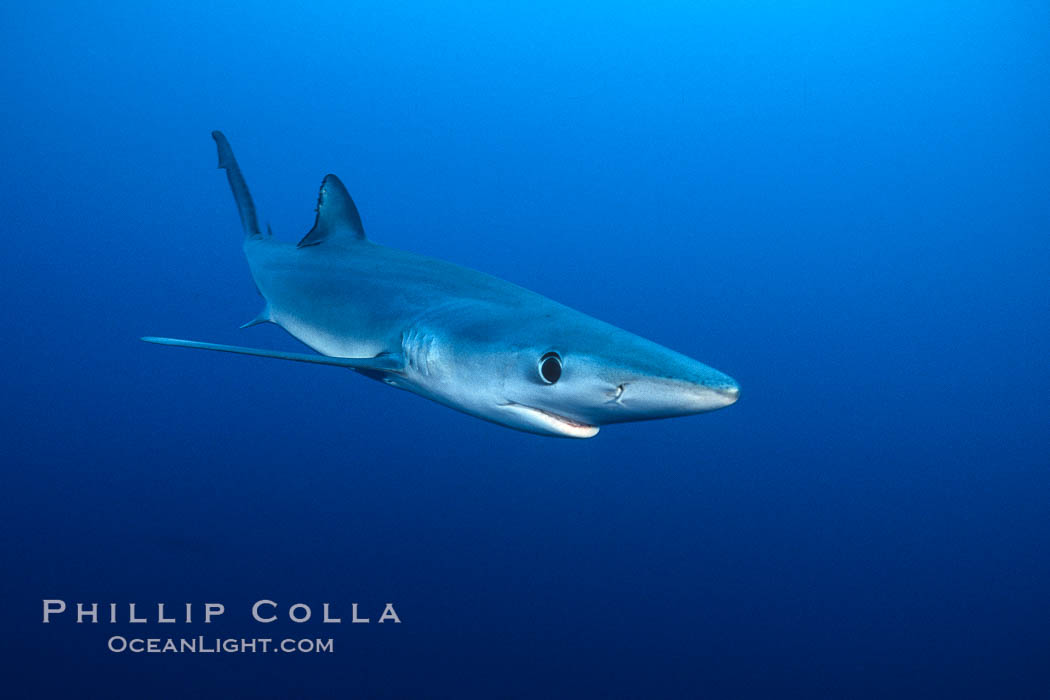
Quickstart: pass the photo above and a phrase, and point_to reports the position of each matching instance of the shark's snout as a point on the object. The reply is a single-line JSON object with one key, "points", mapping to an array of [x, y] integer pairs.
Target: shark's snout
{"points": [[708, 394], [731, 392], [660, 397]]}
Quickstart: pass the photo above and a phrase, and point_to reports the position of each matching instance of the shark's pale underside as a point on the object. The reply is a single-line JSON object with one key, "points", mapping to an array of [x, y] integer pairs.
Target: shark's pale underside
{"points": [[462, 338]]}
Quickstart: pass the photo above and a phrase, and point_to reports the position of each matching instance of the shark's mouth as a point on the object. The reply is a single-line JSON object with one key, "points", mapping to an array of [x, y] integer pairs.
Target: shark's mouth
{"points": [[540, 421]]}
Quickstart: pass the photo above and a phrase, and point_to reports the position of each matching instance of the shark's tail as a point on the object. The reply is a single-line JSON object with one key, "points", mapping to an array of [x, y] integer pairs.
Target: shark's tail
{"points": [[245, 206]]}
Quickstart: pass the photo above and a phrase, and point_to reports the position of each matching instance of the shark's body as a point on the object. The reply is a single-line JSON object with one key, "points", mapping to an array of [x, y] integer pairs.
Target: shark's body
{"points": [[462, 338]]}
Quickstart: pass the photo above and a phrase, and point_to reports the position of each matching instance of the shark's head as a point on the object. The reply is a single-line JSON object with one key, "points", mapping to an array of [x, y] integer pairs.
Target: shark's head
{"points": [[567, 374]]}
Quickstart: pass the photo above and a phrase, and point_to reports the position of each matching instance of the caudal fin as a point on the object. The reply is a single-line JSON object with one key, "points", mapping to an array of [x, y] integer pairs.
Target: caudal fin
{"points": [[245, 206]]}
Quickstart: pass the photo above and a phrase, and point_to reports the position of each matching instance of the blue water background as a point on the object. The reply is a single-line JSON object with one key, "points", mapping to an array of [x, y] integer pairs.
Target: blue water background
{"points": [[844, 206]]}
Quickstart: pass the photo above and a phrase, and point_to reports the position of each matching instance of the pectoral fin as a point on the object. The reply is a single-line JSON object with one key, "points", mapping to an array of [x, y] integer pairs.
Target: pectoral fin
{"points": [[384, 362]]}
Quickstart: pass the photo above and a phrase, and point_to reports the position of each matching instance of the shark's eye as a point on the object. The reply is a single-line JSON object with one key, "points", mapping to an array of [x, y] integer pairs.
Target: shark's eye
{"points": [[550, 367]]}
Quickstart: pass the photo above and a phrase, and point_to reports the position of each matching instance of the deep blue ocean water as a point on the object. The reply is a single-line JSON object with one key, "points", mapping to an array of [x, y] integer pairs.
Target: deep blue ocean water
{"points": [[844, 207]]}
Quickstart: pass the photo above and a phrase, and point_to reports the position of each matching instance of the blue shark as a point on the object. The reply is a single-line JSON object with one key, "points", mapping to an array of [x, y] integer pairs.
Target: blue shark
{"points": [[462, 338]]}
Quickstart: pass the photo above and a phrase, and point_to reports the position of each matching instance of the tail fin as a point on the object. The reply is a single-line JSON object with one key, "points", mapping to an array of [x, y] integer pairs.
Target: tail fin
{"points": [[245, 206]]}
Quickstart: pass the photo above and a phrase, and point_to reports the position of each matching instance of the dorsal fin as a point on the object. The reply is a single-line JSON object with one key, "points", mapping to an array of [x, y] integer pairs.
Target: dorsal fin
{"points": [[337, 217]]}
